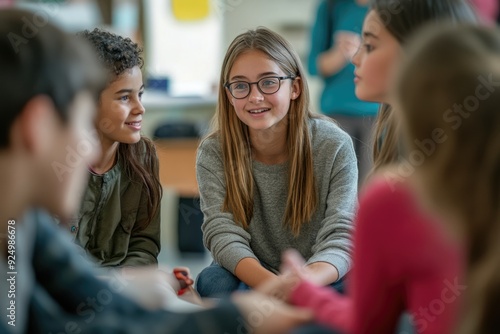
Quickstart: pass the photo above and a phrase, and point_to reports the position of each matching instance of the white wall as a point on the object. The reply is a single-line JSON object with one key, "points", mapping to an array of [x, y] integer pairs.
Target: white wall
{"points": [[186, 51], [279, 15], [191, 53]]}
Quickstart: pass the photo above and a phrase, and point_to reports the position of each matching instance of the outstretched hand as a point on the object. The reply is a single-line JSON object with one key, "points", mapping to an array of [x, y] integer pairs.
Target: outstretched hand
{"points": [[292, 273], [293, 263]]}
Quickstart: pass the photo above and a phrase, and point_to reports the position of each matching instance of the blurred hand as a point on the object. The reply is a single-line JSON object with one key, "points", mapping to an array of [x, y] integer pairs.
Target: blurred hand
{"points": [[148, 286], [292, 273], [319, 273], [348, 43], [155, 288], [293, 263], [266, 315], [345, 45], [279, 287]]}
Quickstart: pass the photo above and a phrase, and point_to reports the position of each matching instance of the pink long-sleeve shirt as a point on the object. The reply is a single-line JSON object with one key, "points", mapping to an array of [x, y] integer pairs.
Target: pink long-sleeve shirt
{"points": [[403, 260]]}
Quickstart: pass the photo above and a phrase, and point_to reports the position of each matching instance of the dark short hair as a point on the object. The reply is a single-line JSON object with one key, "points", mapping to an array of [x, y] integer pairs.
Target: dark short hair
{"points": [[40, 59], [116, 53]]}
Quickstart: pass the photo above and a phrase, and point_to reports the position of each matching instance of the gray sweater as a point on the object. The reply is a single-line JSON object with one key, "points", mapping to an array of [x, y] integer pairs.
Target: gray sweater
{"points": [[327, 238]]}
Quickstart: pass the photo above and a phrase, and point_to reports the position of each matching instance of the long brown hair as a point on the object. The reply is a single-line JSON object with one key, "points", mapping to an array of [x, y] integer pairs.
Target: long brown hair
{"points": [[401, 19], [385, 138], [450, 69], [302, 198], [140, 163]]}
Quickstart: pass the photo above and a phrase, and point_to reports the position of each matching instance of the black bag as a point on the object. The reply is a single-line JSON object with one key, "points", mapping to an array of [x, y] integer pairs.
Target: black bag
{"points": [[189, 231]]}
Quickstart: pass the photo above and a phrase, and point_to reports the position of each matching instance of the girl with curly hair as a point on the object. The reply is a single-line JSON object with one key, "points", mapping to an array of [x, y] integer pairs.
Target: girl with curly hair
{"points": [[119, 219]]}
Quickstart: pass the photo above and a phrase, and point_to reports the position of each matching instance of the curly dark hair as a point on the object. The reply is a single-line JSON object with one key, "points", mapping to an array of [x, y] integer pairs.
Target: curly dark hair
{"points": [[117, 54]]}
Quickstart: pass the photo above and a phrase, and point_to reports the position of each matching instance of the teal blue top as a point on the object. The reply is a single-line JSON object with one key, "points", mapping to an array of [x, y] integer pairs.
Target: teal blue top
{"points": [[338, 95]]}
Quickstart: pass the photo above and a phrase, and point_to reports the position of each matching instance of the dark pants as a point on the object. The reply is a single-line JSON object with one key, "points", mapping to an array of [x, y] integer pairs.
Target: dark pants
{"points": [[216, 282]]}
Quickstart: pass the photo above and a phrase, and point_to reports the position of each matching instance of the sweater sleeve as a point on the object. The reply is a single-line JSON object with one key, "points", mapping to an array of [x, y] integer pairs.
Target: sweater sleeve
{"points": [[369, 302], [333, 241], [392, 270], [376, 281], [228, 242]]}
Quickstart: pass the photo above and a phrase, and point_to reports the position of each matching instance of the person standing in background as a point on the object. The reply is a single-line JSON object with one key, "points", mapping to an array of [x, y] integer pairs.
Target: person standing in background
{"points": [[334, 40]]}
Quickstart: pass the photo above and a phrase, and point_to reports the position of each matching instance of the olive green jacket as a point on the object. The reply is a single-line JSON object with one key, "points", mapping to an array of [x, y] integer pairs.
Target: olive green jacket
{"points": [[107, 223]]}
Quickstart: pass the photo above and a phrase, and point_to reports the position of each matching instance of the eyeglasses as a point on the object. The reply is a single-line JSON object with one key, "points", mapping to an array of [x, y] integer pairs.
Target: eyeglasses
{"points": [[267, 85]]}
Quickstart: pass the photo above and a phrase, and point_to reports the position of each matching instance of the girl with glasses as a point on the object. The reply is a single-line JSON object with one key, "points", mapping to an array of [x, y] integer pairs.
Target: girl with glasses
{"points": [[272, 174]]}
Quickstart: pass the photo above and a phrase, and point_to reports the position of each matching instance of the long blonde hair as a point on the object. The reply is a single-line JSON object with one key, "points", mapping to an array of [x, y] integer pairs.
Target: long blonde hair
{"points": [[450, 69], [302, 198]]}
